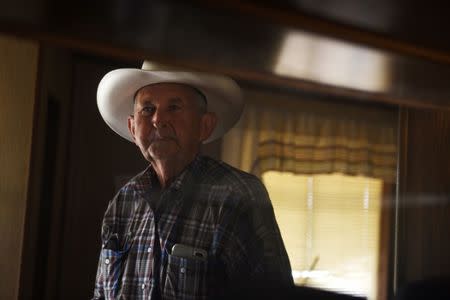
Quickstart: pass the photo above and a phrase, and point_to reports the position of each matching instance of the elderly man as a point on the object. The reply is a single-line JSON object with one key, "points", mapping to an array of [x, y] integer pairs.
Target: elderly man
{"points": [[188, 226]]}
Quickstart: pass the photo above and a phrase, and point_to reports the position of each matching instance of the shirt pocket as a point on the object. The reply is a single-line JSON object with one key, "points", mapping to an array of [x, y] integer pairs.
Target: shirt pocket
{"points": [[185, 278], [111, 267]]}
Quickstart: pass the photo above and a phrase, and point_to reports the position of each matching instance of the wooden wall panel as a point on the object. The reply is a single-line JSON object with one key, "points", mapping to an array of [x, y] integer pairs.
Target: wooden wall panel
{"points": [[49, 156], [18, 73], [424, 203], [97, 164]]}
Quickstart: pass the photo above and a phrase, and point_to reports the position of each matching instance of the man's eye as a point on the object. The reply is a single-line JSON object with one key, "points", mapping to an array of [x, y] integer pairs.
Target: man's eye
{"points": [[147, 110], [174, 107]]}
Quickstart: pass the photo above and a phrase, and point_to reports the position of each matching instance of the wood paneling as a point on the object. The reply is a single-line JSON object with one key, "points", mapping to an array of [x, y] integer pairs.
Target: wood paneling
{"points": [[424, 202], [45, 200], [18, 73], [98, 162]]}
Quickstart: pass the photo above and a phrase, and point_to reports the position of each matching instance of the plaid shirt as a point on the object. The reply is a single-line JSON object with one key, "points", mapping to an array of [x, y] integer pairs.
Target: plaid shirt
{"points": [[210, 206]]}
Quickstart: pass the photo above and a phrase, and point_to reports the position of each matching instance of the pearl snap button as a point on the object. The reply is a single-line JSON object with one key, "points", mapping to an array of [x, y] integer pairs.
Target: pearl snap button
{"points": [[149, 249], [183, 270], [143, 286], [107, 261]]}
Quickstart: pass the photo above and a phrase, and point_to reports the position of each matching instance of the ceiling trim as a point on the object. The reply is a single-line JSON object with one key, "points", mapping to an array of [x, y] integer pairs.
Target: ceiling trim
{"points": [[329, 28]]}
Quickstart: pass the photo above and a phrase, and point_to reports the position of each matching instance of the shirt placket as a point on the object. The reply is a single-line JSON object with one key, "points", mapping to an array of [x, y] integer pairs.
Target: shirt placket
{"points": [[148, 281], [152, 283]]}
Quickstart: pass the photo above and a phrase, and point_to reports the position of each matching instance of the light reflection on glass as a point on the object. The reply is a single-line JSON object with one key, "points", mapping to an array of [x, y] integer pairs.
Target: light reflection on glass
{"points": [[328, 61]]}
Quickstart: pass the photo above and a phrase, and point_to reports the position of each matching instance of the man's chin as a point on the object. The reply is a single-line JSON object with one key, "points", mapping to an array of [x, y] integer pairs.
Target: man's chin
{"points": [[159, 152]]}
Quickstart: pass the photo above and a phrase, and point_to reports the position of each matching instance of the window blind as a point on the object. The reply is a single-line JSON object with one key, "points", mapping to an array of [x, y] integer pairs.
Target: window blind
{"points": [[330, 226]]}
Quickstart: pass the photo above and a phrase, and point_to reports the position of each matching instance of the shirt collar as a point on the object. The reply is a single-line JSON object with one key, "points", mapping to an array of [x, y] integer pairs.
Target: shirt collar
{"points": [[145, 180], [187, 177]]}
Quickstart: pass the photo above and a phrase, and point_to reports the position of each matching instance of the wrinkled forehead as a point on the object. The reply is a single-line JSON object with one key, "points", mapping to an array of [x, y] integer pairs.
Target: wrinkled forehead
{"points": [[170, 90]]}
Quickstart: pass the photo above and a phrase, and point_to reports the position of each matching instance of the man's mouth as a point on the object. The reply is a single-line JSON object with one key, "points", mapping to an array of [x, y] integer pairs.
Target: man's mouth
{"points": [[163, 138], [158, 136]]}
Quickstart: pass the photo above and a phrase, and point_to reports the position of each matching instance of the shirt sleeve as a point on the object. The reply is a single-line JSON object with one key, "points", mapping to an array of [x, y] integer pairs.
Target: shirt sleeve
{"points": [[108, 227], [255, 254], [108, 218]]}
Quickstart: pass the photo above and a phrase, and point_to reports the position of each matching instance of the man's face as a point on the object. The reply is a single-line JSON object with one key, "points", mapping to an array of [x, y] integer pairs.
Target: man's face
{"points": [[168, 122]]}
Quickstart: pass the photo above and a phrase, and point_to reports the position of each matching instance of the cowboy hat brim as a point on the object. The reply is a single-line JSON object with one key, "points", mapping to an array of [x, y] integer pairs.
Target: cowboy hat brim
{"points": [[117, 89]]}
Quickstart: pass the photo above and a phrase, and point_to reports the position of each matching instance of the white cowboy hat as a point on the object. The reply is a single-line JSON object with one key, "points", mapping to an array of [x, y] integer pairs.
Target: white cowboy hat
{"points": [[117, 88]]}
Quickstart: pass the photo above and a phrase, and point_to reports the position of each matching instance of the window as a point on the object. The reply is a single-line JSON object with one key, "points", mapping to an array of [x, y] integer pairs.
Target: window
{"points": [[331, 229], [336, 231]]}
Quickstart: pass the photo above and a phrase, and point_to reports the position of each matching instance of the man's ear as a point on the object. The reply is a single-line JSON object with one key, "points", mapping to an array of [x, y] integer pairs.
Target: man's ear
{"points": [[131, 126], [209, 121]]}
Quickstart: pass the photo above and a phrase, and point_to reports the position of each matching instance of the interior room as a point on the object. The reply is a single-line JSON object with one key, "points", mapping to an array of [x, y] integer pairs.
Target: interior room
{"points": [[346, 122]]}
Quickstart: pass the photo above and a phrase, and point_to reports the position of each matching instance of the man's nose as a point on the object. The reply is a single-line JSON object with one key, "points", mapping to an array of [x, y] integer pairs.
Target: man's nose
{"points": [[160, 118]]}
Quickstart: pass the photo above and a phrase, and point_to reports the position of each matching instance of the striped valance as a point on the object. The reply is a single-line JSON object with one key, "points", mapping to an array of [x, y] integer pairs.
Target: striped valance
{"points": [[314, 139]]}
